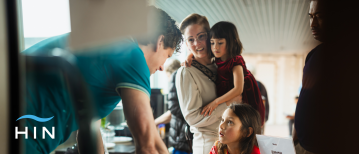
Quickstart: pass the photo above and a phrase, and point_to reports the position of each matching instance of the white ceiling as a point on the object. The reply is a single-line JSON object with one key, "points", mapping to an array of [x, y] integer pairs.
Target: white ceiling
{"points": [[264, 26]]}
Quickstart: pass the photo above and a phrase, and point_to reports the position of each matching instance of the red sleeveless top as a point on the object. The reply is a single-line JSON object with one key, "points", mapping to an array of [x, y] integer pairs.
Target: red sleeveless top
{"points": [[214, 149], [224, 83]]}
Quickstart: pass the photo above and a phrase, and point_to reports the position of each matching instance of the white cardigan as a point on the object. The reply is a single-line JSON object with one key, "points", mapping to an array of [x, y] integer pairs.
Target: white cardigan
{"points": [[195, 90]]}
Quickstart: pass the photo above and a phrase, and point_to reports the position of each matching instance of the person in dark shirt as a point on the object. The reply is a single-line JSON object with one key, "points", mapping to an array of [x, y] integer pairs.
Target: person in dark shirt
{"points": [[327, 116], [291, 118], [265, 99], [174, 116], [264, 94]]}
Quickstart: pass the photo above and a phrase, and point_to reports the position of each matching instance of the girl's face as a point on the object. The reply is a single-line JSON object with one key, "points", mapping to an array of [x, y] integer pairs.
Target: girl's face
{"points": [[196, 37], [219, 49], [230, 128]]}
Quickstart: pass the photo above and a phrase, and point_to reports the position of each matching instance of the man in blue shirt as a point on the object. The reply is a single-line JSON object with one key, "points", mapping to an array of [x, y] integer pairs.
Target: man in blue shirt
{"points": [[116, 71]]}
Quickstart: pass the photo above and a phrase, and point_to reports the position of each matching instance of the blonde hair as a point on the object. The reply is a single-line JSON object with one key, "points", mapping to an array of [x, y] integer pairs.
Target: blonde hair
{"points": [[172, 65]]}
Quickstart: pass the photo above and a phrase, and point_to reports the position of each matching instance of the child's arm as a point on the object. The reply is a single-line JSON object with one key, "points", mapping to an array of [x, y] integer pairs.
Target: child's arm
{"points": [[238, 80], [188, 61]]}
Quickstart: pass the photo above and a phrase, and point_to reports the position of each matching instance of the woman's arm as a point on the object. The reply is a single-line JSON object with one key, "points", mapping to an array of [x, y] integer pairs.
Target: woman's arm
{"points": [[238, 80], [190, 100], [165, 118]]}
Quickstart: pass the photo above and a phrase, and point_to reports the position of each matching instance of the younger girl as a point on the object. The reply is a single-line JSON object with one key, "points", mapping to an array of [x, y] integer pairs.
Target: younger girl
{"points": [[237, 132], [233, 78]]}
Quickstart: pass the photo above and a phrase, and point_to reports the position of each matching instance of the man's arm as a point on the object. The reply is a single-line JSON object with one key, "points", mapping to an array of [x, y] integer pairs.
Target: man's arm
{"points": [[100, 147], [165, 118], [137, 109], [290, 117], [295, 137]]}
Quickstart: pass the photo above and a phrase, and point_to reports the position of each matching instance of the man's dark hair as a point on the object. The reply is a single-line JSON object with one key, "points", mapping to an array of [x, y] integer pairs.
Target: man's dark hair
{"points": [[228, 31], [160, 23], [340, 18]]}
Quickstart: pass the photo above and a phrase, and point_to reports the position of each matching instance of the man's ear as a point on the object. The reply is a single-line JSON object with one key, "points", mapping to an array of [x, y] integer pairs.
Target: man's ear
{"points": [[250, 131], [160, 41]]}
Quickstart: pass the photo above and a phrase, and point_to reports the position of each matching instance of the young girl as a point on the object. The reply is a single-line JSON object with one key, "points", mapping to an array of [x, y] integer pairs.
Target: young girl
{"points": [[237, 132], [233, 78]]}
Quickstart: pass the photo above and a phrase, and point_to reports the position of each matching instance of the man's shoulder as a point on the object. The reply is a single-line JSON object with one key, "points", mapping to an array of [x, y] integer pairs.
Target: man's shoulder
{"points": [[310, 54], [125, 52], [127, 59], [125, 48]]}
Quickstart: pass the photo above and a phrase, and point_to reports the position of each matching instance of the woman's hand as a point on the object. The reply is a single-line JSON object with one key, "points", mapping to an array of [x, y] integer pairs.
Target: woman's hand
{"points": [[208, 109]]}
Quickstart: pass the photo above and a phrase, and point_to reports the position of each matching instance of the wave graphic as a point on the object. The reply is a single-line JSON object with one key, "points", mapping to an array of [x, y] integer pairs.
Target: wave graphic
{"points": [[35, 118]]}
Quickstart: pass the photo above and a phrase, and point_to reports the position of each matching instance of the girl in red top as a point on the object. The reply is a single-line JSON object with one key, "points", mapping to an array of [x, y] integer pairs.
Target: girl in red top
{"points": [[233, 78], [237, 132]]}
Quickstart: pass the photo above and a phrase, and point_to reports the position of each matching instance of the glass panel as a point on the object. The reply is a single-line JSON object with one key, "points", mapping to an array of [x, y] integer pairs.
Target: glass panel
{"points": [[43, 19]]}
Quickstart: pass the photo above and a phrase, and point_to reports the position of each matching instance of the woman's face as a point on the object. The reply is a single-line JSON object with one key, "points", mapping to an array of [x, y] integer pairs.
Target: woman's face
{"points": [[196, 37], [230, 128]]}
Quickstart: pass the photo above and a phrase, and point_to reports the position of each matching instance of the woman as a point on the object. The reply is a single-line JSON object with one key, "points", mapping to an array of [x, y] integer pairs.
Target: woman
{"points": [[196, 85]]}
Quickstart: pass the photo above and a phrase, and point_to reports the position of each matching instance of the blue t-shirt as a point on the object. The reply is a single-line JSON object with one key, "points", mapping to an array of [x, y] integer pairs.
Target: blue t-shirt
{"points": [[105, 69]]}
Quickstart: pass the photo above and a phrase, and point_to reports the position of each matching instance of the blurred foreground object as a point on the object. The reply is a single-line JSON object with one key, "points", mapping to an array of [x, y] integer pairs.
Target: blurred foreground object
{"points": [[95, 22], [104, 65], [38, 68]]}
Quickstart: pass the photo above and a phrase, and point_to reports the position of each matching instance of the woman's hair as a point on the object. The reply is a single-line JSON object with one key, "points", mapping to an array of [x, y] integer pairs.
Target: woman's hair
{"points": [[160, 23], [172, 65], [249, 117], [195, 18], [228, 31]]}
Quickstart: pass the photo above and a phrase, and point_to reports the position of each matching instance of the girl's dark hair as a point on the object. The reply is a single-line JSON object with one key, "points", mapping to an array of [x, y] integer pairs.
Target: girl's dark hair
{"points": [[160, 23], [249, 117], [228, 31]]}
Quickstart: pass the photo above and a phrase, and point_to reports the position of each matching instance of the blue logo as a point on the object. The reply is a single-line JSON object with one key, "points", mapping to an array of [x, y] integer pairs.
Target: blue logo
{"points": [[35, 118], [44, 129]]}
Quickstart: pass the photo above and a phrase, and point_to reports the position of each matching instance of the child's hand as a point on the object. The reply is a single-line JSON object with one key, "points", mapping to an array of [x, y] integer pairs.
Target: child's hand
{"points": [[208, 109], [188, 61]]}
